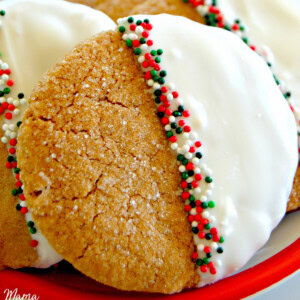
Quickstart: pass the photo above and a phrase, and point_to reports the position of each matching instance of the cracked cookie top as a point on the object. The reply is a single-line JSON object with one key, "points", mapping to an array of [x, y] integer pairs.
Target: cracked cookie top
{"points": [[34, 35], [100, 177]]}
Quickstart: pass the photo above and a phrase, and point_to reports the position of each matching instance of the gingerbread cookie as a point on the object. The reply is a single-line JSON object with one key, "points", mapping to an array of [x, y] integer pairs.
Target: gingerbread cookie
{"points": [[34, 35], [100, 174], [120, 8], [210, 13]]}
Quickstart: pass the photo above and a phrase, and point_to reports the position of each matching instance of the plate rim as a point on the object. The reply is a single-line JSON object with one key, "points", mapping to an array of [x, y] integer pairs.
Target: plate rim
{"points": [[241, 285]]}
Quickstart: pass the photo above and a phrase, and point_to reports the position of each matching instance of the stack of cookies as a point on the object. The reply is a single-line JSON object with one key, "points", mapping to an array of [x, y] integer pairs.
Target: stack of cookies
{"points": [[149, 152]]}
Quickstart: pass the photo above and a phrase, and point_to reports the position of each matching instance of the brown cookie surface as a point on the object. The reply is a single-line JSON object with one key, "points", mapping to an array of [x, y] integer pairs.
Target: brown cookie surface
{"points": [[172, 7], [294, 202], [113, 8], [99, 175], [15, 249], [121, 8]]}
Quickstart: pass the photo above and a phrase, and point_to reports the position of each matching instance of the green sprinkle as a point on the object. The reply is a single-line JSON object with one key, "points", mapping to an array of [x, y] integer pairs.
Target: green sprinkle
{"points": [[177, 114], [180, 108], [30, 223], [275, 78], [207, 226], [16, 170], [178, 130], [221, 240], [185, 162], [139, 22], [169, 134], [204, 205], [2, 12], [242, 28], [137, 51], [32, 230], [18, 206], [142, 40], [161, 81], [153, 73], [129, 43], [153, 52], [160, 52], [208, 179], [208, 236], [14, 192], [173, 125], [163, 73], [146, 21], [211, 204], [6, 90], [180, 157], [199, 262], [245, 40], [19, 123], [130, 19], [184, 175], [122, 29], [192, 198], [155, 78], [206, 260], [157, 60]]}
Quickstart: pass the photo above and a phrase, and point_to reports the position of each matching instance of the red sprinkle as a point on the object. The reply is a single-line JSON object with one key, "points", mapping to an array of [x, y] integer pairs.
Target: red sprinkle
{"points": [[34, 243], [10, 82], [203, 269], [194, 255], [185, 195], [24, 210], [187, 208]]}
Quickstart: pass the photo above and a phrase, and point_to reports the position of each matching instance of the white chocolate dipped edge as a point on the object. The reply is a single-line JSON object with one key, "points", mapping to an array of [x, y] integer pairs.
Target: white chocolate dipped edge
{"points": [[34, 36], [245, 125]]}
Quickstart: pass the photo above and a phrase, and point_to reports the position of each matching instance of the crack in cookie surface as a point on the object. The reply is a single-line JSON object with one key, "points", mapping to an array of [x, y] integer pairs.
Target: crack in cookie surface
{"points": [[113, 208]]}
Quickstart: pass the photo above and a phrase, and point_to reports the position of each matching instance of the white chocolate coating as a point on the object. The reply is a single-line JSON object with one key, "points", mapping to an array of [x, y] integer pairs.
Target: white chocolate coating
{"points": [[278, 29], [247, 130], [34, 36]]}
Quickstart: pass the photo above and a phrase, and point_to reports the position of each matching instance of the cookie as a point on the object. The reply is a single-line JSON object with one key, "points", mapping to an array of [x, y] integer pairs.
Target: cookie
{"points": [[117, 160], [294, 202], [34, 35], [214, 16], [172, 7], [202, 13], [120, 8]]}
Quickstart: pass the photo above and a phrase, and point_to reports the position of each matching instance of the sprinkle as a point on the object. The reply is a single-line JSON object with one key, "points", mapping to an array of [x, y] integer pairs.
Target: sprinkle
{"points": [[171, 114], [213, 16]]}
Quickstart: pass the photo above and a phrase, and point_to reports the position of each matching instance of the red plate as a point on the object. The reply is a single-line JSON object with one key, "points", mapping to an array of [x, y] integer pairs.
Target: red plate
{"points": [[60, 284]]}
